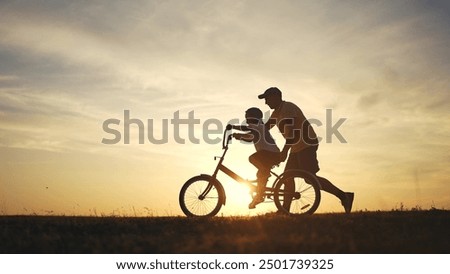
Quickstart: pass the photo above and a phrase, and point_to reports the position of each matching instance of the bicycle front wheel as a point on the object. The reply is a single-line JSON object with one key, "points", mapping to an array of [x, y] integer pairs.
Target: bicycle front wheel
{"points": [[297, 193], [201, 196]]}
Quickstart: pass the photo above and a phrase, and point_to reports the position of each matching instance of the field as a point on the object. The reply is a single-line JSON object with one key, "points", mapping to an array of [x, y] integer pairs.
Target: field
{"points": [[390, 232]]}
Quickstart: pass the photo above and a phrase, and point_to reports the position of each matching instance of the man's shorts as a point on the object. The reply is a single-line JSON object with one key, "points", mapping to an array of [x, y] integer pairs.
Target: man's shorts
{"points": [[305, 159]]}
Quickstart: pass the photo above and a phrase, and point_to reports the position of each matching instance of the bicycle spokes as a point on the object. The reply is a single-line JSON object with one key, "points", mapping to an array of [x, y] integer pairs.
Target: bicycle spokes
{"points": [[200, 197], [297, 193]]}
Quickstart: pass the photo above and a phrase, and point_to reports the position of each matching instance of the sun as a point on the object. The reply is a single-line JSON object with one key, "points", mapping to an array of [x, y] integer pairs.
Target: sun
{"points": [[239, 195]]}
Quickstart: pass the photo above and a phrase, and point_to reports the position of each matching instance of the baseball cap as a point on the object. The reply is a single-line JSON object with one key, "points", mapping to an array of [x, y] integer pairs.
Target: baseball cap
{"points": [[270, 92]]}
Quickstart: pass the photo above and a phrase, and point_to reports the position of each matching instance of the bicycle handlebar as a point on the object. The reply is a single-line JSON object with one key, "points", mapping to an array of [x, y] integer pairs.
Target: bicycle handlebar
{"points": [[225, 139]]}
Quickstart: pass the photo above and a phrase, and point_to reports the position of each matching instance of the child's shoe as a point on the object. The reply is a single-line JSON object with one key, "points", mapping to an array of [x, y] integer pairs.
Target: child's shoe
{"points": [[256, 200]]}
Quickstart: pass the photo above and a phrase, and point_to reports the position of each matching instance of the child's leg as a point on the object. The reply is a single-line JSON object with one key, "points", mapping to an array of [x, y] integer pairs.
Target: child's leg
{"points": [[262, 181], [263, 173], [267, 159], [259, 160], [262, 176]]}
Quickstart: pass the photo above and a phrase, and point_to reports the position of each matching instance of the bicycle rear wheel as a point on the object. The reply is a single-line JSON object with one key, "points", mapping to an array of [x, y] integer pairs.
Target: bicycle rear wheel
{"points": [[201, 196], [297, 193]]}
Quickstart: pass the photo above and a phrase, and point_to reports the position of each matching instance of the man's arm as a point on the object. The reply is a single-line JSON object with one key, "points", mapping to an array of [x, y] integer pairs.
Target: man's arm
{"points": [[270, 123], [283, 127], [291, 134], [284, 152]]}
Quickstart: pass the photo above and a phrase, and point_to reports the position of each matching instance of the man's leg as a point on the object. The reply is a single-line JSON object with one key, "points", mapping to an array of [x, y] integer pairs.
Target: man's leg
{"points": [[345, 197], [330, 188], [307, 160]]}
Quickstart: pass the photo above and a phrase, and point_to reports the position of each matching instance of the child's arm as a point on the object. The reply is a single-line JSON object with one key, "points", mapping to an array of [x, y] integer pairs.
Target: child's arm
{"points": [[241, 128], [251, 134], [247, 137]]}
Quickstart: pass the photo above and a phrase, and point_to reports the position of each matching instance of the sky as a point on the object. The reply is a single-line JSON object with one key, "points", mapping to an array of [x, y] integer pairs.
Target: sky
{"points": [[67, 67]]}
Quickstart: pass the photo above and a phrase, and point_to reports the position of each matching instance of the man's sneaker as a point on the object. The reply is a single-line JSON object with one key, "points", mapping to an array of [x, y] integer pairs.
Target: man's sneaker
{"points": [[347, 202], [256, 200]]}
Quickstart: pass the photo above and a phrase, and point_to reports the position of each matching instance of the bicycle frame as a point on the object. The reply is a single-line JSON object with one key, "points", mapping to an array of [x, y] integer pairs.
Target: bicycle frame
{"points": [[283, 191], [226, 170], [229, 172]]}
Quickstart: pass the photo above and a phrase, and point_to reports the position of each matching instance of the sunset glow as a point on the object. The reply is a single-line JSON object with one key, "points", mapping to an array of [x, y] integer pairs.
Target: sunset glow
{"points": [[66, 67]]}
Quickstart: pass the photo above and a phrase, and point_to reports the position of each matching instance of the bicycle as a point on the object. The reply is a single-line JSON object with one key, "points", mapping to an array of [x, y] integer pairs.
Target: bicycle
{"points": [[294, 192]]}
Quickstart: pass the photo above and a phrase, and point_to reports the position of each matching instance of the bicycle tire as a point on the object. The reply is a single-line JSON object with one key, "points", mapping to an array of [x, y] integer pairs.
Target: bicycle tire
{"points": [[306, 198], [191, 202]]}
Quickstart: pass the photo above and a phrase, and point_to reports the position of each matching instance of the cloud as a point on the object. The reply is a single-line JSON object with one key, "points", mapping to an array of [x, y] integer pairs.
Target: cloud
{"points": [[8, 78]]}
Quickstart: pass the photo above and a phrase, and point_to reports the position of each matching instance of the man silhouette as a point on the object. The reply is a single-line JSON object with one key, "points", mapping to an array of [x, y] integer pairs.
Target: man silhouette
{"points": [[301, 141]]}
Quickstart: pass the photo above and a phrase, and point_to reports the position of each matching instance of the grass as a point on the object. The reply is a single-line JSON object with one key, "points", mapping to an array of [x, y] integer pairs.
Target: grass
{"points": [[415, 231]]}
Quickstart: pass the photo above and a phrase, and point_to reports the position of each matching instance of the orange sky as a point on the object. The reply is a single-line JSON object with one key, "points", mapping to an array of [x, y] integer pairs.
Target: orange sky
{"points": [[67, 67]]}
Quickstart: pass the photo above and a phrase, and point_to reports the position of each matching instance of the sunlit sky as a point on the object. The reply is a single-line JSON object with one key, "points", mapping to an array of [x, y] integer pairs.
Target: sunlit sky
{"points": [[67, 66]]}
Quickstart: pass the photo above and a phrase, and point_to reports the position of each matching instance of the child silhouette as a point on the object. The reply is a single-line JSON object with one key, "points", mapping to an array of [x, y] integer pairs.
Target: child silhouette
{"points": [[267, 153]]}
